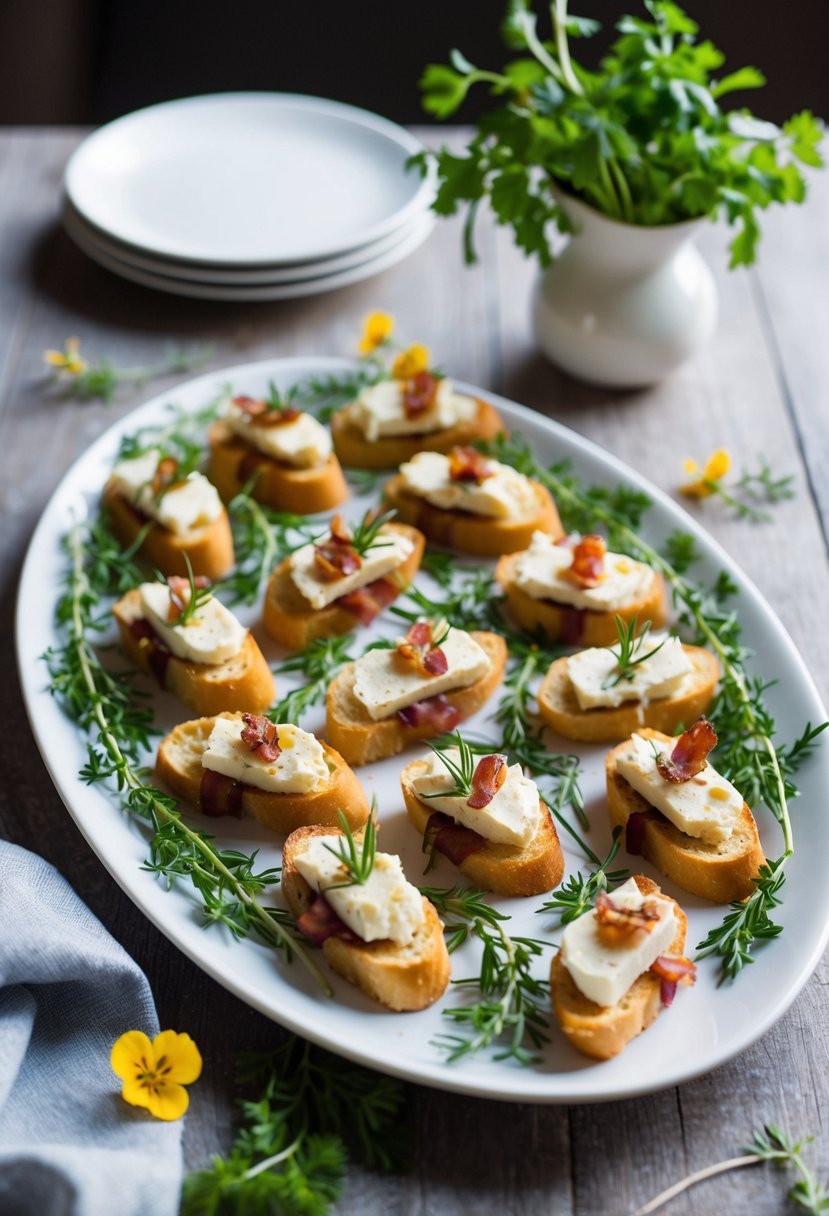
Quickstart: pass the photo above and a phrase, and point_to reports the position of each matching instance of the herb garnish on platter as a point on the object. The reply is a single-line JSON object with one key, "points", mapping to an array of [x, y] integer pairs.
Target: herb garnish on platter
{"points": [[633, 650]]}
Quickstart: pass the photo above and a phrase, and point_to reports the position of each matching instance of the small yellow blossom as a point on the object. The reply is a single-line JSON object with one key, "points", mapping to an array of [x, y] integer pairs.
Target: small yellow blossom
{"points": [[716, 467], [411, 361], [68, 359], [378, 327], [154, 1074]]}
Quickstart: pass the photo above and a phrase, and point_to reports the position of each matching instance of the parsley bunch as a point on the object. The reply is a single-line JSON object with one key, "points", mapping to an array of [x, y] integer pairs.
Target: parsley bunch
{"points": [[643, 139]]}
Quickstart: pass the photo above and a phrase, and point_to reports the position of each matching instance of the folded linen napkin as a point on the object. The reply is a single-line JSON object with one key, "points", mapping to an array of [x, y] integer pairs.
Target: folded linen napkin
{"points": [[69, 1144]]}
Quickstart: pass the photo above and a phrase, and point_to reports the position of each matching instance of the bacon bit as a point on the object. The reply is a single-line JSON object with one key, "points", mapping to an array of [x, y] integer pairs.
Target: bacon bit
{"points": [[450, 839], [617, 924], [179, 588], [319, 921], [417, 648], [165, 475], [433, 712], [261, 413], [467, 464], [261, 736], [490, 774], [368, 602], [690, 754], [672, 970], [336, 557], [220, 795], [157, 654], [419, 394], [635, 833], [587, 569]]}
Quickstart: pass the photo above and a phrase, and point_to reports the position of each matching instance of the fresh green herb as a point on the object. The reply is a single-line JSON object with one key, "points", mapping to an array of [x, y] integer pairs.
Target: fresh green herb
{"points": [[111, 569], [631, 652], [751, 489], [681, 551], [323, 395], [578, 894], [461, 773], [182, 438], [319, 663], [365, 481], [644, 139], [469, 602], [197, 596], [367, 533], [460, 907], [356, 858], [101, 379], [261, 538]]}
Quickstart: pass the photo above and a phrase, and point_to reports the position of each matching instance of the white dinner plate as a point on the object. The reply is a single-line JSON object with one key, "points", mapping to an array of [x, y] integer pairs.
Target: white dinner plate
{"points": [[248, 178], [705, 1026]]}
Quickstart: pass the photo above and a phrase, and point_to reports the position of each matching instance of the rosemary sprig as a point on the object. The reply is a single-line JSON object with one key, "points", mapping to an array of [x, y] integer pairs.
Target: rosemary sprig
{"points": [[323, 395], [356, 857], [319, 663], [631, 650], [182, 437], [461, 773], [261, 538], [460, 908], [197, 596], [577, 894], [366, 533]]}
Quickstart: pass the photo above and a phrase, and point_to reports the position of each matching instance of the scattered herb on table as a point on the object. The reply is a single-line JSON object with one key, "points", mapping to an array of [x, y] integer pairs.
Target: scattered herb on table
{"points": [[100, 379], [744, 496]]}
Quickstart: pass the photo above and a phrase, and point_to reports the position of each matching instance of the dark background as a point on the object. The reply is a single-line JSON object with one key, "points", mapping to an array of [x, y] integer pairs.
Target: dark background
{"points": [[82, 61]]}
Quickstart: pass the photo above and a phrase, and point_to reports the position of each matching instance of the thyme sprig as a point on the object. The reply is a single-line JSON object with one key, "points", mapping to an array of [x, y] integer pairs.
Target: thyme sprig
{"points": [[577, 894], [261, 538], [182, 437], [101, 378], [319, 662], [631, 652], [323, 395], [356, 857]]}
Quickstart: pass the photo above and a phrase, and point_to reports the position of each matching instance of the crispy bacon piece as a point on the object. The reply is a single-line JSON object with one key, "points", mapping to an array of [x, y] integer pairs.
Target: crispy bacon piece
{"points": [[587, 569], [179, 588], [158, 656], [166, 473], [690, 754], [490, 774], [417, 648], [618, 924], [467, 464], [434, 712], [319, 921], [635, 833], [220, 795], [451, 839], [368, 602], [261, 413], [261, 736], [336, 557], [672, 969], [419, 394]]}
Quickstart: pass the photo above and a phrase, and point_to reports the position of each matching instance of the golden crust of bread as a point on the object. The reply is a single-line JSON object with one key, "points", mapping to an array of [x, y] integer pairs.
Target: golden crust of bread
{"points": [[559, 707], [242, 682], [403, 978], [468, 533], [281, 486], [291, 621], [355, 451], [210, 549], [361, 740], [719, 872], [502, 868], [601, 1031], [578, 627], [179, 766]]}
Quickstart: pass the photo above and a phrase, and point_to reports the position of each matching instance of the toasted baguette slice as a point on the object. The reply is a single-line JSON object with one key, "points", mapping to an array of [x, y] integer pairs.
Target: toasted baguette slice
{"points": [[601, 1031], [357, 452], [560, 709], [242, 682], [403, 978], [578, 626], [468, 533], [290, 620], [362, 740], [179, 766], [502, 868], [304, 491], [719, 872], [209, 549]]}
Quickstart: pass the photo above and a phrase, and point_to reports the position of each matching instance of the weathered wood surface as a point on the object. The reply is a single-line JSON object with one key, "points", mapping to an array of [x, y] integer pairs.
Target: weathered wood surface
{"points": [[761, 386]]}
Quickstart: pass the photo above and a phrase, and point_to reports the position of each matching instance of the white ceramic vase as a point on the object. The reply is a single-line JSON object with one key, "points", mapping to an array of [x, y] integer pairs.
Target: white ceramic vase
{"points": [[624, 305]]}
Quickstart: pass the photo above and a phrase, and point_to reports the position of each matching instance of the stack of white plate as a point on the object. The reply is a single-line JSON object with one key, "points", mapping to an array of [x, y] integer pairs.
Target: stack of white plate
{"points": [[247, 196]]}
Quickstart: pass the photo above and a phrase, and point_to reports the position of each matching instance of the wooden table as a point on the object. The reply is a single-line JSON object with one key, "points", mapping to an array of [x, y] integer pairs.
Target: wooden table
{"points": [[761, 386]]}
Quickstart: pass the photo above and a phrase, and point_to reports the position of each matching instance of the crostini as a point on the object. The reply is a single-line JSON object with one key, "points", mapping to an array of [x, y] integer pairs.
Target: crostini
{"points": [[422, 686], [574, 591], [618, 967], [681, 815], [283, 454], [235, 764], [182, 635], [605, 693], [471, 503], [380, 933], [173, 519], [391, 421], [486, 817], [342, 580]]}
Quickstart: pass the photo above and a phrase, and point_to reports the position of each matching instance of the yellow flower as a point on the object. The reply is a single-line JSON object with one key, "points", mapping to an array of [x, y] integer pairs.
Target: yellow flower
{"points": [[716, 467], [154, 1074], [68, 359], [378, 327], [411, 361]]}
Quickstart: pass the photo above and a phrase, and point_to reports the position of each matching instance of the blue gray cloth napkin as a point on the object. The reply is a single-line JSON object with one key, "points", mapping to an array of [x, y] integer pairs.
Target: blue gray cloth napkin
{"points": [[69, 1144]]}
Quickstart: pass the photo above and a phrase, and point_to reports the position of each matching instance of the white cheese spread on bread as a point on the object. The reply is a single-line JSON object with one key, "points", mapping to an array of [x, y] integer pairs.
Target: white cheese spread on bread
{"points": [[706, 806], [212, 635], [303, 442], [384, 682], [604, 971], [389, 550], [299, 768], [539, 573], [511, 817], [503, 494], [188, 504], [385, 907], [378, 412], [594, 674]]}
